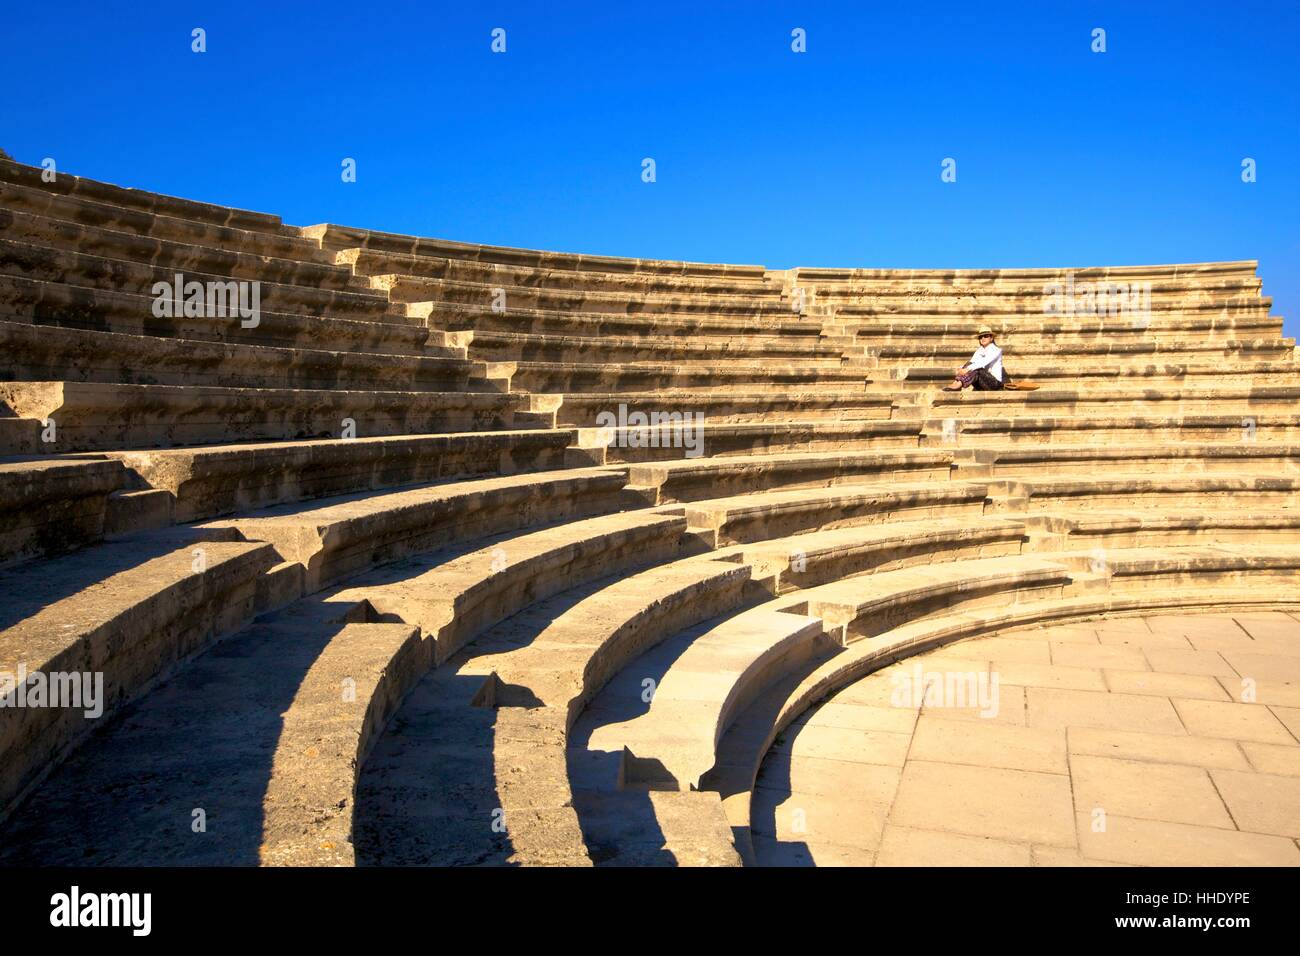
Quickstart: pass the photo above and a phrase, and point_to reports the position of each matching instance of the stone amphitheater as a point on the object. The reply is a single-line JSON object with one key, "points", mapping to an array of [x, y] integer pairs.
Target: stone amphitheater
{"points": [[459, 554]]}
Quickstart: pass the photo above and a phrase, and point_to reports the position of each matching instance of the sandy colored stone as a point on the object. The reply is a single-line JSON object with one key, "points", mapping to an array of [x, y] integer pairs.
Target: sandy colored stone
{"points": [[1146, 790], [988, 744], [907, 846], [1175, 661], [1033, 676], [868, 782], [1158, 748], [1009, 805], [1289, 716], [1157, 843], [1103, 656], [1261, 802], [1195, 686], [1278, 759], [840, 743], [1233, 721], [807, 817], [1052, 707]]}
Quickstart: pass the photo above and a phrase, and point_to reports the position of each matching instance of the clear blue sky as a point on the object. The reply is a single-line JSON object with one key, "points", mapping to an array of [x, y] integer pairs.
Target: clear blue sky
{"points": [[832, 157]]}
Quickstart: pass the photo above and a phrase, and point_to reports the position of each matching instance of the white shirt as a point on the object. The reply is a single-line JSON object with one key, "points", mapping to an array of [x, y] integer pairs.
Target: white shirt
{"points": [[987, 356]]}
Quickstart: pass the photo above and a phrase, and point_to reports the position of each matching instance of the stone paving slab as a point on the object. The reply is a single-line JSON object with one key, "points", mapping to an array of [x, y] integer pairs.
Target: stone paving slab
{"points": [[1158, 765]]}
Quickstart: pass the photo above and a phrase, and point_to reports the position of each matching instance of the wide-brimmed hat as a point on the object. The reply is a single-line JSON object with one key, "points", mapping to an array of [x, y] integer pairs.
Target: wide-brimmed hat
{"points": [[984, 331]]}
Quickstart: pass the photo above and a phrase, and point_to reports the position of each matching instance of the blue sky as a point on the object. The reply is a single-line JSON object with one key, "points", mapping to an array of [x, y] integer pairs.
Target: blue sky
{"points": [[1064, 157]]}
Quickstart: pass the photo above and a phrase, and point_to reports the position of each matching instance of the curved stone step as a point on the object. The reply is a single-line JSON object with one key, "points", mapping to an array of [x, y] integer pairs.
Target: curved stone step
{"points": [[458, 598], [113, 620], [368, 262], [499, 713], [96, 415], [652, 346], [117, 358], [51, 506], [783, 403], [405, 288], [695, 479], [336, 537], [1143, 491], [1102, 428], [776, 514], [666, 442], [63, 265], [47, 303], [82, 188], [214, 480], [567, 322], [39, 230], [332, 236], [39, 200], [1252, 457]]}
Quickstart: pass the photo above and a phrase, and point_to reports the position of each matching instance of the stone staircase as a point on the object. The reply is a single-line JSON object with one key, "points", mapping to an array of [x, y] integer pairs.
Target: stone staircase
{"points": [[373, 579]]}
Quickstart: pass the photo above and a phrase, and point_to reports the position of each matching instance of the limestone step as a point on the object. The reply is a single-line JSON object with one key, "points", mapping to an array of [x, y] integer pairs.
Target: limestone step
{"points": [[1272, 567], [287, 709], [334, 237], [78, 187], [717, 374], [40, 201], [1097, 533], [1119, 492], [1108, 376], [404, 288], [62, 265], [552, 675], [863, 607], [728, 406], [124, 613], [697, 479], [214, 480], [47, 303], [663, 442], [93, 415], [656, 724], [1186, 400], [1046, 298], [744, 519], [19, 226], [1120, 429], [345, 698], [1003, 315], [1105, 353], [333, 538], [819, 557], [483, 318], [48, 507], [453, 599], [529, 346], [1258, 458], [44, 353], [366, 262], [1030, 330], [1192, 271]]}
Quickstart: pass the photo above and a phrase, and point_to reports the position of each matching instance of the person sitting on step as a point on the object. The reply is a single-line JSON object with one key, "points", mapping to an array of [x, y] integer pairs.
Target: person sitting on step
{"points": [[984, 370]]}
